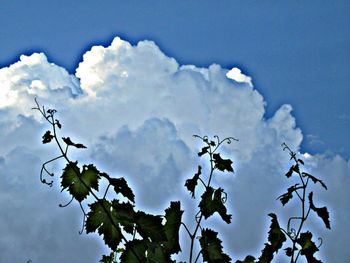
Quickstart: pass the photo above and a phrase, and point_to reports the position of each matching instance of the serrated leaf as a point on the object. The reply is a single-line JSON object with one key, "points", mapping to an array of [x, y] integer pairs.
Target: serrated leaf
{"points": [[125, 214], [192, 183], [79, 183], [150, 226], [308, 247], [105, 221], [107, 259], [212, 248], [121, 187], [156, 253], [203, 151], [69, 142], [322, 212], [222, 164], [138, 247], [211, 202], [315, 180], [276, 239], [47, 137], [284, 198], [172, 225], [248, 259]]}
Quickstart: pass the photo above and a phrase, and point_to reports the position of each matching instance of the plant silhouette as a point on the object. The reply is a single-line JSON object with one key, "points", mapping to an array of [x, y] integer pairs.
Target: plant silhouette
{"points": [[136, 236]]}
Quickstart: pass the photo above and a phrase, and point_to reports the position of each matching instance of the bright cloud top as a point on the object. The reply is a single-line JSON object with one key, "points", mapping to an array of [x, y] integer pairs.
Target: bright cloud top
{"points": [[137, 109]]}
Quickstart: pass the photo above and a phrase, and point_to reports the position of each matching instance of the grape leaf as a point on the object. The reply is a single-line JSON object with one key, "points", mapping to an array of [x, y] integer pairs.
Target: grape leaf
{"points": [[315, 180], [284, 198], [172, 225], [107, 259], [308, 247], [79, 183], [192, 183], [203, 151], [275, 238], [222, 164], [322, 212], [47, 137], [105, 223], [121, 186], [150, 226], [70, 143], [211, 202], [57, 122], [212, 248], [125, 214], [248, 259], [138, 247]]}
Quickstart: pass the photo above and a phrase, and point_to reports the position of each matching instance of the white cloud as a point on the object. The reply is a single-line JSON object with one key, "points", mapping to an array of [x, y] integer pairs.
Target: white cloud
{"points": [[136, 109]]}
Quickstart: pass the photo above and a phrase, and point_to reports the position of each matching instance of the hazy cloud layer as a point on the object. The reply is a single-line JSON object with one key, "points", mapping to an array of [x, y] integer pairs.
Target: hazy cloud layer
{"points": [[136, 109]]}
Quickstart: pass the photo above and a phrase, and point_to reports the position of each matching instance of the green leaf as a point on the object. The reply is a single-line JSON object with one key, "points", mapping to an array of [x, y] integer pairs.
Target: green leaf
{"points": [[105, 221], [121, 187], [308, 247], [192, 183], [70, 143], [289, 251], [156, 254], [211, 202], [222, 164], [150, 227], [107, 259], [315, 180], [204, 151], [125, 215], [79, 184], [172, 225], [289, 195], [322, 212], [47, 137], [138, 247], [275, 237], [248, 259], [212, 248]]}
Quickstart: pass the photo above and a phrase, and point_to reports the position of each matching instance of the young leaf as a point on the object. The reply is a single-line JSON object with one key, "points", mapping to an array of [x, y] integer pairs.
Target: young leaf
{"points": [[121, 187], [203, 151], [172, 225], [79, 183], [192, 183], [308, 247], [315, 180], [275, 237], [57, 122], [287, 196], [212, 248], [322, 212], [248, 259], [222, 164], [47, 137], [290, 172], [150, 226], [98, 219], [289, 251], [70, 143], [211, 202]]}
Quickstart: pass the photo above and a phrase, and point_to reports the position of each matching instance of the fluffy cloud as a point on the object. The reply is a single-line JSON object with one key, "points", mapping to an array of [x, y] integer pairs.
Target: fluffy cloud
{"points": [[136, 109]]}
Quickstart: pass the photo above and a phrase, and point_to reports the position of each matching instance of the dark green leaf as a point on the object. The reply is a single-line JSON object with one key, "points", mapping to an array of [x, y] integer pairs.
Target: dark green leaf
{"points": [[296, 168], [121, 187], [107, 259], [172, 225], [211, 202], [105, 221], [290, 172], [192, 183], [248, 259], [58, 124], [289, 195], [308, 247], [222, 164], [275, 237], [289, 251], [150, 226], [212, 143], [322, 212], [301, 161], [315, 180], [203, 151], [79, 183], [138, 247], [212, 248], [69, 142], [47, 137], [125, 214]]}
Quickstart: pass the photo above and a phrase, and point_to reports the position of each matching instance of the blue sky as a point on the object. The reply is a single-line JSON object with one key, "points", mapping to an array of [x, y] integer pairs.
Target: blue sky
{"points": [[296, 52]]}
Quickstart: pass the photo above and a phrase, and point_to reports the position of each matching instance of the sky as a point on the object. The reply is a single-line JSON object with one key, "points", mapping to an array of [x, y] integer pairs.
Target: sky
{"points": [[135, 80]]}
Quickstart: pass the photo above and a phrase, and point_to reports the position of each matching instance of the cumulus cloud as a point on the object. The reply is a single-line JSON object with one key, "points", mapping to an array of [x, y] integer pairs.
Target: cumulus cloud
{"points": [[136, 109]]}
